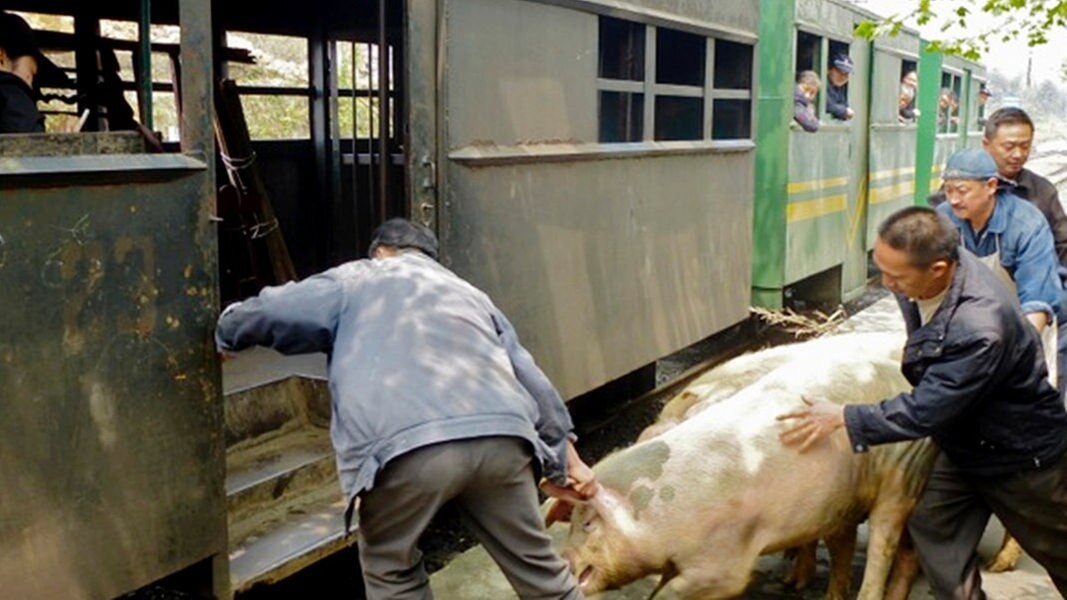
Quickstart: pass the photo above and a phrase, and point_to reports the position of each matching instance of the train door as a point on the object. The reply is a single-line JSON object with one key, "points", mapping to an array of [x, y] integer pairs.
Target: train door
{"points": [[893, 130], [854, 263], [822, 259]]}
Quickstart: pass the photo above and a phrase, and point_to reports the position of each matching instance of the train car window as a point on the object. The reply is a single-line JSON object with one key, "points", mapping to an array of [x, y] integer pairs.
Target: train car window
{"points": [[948, 103], [357, 104], [622, 49], [957, 96], [809, 58], [809, 52], [275, 93], [837, 49], [731, 119], [909, 92], [680, 57], [679, 118], [733, 66], [981, 97], [621, 117], [671, 99]]}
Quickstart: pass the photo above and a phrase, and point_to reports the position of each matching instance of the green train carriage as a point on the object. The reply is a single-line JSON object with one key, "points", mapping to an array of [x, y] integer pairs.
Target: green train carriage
{"points": [[820, 196]]}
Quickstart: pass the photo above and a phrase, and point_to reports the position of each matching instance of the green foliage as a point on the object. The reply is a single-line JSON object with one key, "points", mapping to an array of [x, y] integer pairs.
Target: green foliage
{"points": [[1031, 20]]}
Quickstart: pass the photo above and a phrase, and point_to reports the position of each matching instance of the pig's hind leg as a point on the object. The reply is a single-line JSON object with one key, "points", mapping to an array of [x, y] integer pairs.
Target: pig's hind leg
{"points": [[842, 547], [888, 519]]}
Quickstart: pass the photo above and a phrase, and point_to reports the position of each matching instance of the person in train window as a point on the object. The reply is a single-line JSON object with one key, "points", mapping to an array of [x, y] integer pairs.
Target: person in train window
{"points": [[984, 94], [906, 105], [804, 100], [18, 66], [947, 110], [837, 90], [909, 87], [22, 70], [433, 400]]}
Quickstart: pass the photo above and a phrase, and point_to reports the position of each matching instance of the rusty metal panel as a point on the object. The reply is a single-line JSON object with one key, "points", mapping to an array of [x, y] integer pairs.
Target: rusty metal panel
{"points": [[110, 443], [534, 65], [905, 44], [607, 265], [66, 144], [420, 79], [732, 19], [826, 18], [606, 256]]}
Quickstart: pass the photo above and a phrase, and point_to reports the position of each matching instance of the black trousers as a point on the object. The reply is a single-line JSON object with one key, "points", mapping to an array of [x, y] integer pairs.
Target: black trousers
{"points": [[953, 512], [491, 481]]}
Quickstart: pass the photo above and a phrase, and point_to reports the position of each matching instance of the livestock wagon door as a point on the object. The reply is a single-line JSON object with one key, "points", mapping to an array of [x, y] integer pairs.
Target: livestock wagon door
{"points": [[595, 172], [891, 169]]}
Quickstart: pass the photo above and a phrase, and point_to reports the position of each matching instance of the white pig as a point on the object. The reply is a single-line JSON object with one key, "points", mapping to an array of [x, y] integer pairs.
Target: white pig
{"points": [[702, 501]]}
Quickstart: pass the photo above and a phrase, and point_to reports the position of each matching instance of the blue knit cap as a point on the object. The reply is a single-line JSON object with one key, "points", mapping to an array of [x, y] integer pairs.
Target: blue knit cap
{"points": [[970, 163]]}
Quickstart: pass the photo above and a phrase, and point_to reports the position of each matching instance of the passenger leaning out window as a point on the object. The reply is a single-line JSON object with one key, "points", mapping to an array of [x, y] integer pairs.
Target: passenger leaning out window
{"points": [[804, 100]]}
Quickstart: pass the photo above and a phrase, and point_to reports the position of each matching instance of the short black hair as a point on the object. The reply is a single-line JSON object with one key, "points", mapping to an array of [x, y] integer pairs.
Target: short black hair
{"points": [[1008, 115], [401, 233], [924, 234]]}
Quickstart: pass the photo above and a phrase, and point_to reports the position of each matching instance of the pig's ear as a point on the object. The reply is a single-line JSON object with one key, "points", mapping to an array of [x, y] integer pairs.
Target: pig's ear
{"points": [[560, 510], [610, 506]]}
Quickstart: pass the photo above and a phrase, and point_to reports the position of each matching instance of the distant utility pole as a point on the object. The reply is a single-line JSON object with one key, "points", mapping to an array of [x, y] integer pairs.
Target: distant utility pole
{"points": [[1029, 67]]}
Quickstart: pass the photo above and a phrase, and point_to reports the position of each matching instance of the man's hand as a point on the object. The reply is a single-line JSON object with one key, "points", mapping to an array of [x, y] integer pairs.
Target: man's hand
{"points": [[1038, 319], [581, 480], [816, 421], [849, 113]]}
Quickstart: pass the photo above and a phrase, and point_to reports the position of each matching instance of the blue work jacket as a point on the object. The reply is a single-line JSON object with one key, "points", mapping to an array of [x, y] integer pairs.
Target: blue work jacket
{"points": [[1027, 251]]}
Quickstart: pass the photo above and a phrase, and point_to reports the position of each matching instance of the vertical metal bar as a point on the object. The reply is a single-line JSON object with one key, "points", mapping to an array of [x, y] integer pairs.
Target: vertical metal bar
{"points": [[197, 99], [383, 110], [86, 31], [370, 136], [822, 64], [321, 98], [355, 135], [709, 86], [144, 34], [650, 81]]}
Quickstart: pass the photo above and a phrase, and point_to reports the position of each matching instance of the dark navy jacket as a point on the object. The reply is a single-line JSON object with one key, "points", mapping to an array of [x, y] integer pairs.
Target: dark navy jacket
{"points": [[18, 110], [803, 112], [981, 387], [837, 101]]}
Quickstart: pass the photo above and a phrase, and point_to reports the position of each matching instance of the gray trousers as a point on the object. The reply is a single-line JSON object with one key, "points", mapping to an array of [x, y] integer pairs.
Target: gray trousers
{"points": [[953, 512], [492, 483]]}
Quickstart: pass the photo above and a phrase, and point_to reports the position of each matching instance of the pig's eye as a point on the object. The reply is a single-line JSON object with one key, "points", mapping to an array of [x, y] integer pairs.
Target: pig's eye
{"points": [[589, 526]]}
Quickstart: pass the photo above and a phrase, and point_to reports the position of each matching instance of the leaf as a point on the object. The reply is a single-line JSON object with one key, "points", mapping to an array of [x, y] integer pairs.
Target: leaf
{"points": [[866, 29]]}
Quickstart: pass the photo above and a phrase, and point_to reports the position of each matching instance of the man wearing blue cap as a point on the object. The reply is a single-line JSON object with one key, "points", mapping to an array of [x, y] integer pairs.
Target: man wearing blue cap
{"points": [[1011, 237], [982, 393], [837, 90], [433, 400]]}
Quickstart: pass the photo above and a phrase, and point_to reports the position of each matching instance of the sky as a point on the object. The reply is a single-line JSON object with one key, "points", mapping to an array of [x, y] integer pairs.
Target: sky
{"points": [[1009, 59]]}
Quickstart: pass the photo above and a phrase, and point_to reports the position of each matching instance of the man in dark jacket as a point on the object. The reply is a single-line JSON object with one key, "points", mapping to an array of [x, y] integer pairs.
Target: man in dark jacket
{"points": [[23, 69], [981, 391], [433, 400], [18, 67], [837, 89]]}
